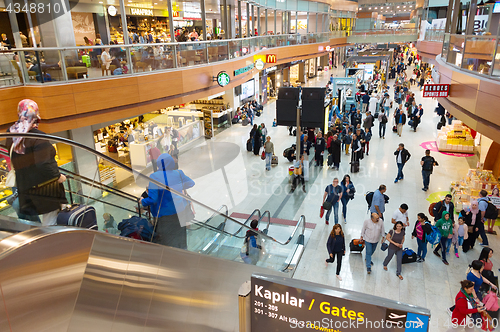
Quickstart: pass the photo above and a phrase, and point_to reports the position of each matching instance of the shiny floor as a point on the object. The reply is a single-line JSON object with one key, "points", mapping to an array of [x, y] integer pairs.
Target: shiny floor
{"points": [[225, 173]]}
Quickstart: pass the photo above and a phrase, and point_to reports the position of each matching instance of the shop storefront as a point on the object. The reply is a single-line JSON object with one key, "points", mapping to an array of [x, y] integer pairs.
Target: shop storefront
{"points": [[136, 141], [271, 81]]}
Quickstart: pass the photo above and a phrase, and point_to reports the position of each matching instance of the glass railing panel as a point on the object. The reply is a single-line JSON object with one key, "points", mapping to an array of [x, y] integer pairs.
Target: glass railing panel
{"points": [[10, 71], [41, 66], [478, 55], [191, 54], [496, 64], [446, 46], [245, 46], [455, 50], [234, 49]]}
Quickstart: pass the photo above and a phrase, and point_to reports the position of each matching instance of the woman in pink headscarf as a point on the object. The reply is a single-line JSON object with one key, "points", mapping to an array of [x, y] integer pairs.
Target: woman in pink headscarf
{"points": [[471, 218], [38, 180]]}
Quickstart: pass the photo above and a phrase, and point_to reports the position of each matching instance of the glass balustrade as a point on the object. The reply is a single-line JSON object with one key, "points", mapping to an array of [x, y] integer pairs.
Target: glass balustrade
{"points": [[119, 194], [51, 65]]}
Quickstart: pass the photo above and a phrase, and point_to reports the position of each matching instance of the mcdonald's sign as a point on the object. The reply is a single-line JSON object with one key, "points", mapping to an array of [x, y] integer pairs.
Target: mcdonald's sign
{"points": [[270, 58]]}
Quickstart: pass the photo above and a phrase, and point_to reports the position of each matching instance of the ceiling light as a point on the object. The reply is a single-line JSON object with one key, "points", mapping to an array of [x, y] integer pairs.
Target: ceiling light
{"points": [[370, 8], [397, 7], [155, 3], [404, 6], [100, 1], [375, 8], [387, 7]]}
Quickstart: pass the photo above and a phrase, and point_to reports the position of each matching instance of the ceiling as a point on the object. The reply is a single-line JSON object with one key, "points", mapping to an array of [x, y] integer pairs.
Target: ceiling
{"points": [[387, 8]]}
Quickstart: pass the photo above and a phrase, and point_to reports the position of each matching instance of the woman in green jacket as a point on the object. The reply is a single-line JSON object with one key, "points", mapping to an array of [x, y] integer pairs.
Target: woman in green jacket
{"points": [[446, 229]]}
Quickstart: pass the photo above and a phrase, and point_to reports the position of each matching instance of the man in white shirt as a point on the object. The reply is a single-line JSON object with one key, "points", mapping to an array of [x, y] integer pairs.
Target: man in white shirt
{"points": [[401, 214], [372, 104], [372, 232]]}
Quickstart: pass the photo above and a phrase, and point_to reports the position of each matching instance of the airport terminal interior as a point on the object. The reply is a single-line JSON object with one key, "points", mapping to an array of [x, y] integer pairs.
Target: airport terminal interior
{"points": [[249, 166]]}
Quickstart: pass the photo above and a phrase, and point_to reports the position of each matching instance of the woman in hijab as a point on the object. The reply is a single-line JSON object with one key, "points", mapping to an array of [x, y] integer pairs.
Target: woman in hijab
{"points": [[256, 141], [39, 182], [471, 219]]}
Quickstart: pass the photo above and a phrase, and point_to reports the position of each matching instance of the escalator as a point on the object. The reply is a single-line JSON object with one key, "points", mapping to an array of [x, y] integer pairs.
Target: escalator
{"points": [[71, 279], [212, 233]]}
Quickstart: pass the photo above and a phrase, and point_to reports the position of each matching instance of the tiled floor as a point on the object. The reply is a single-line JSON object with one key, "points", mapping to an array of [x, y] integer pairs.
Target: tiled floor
{"points": [[237, 178]]}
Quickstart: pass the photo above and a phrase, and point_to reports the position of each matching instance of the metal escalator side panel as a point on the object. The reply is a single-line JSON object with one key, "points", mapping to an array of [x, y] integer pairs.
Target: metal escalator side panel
{"points": [[137, 292], [41, 277], [102, 284]]}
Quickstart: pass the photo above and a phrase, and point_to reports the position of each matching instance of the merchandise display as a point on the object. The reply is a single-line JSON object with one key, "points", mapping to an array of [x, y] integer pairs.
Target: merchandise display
{"points": [[455, 138], [467, 189]]}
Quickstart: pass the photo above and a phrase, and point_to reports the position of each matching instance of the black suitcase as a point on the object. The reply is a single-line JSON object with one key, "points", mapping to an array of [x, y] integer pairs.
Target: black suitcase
{"points": [[78, 216], [358, 247], [355, 167], [274, 160], [249, 145]]}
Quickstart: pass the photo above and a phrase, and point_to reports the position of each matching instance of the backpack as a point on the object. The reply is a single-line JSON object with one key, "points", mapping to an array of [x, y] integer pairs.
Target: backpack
{"points": [[369, 198], [428, 164], [491, 211], [384, 119], [434, 237]]}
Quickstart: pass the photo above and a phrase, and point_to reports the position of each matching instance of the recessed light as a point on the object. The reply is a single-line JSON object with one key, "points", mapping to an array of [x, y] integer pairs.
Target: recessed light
{"points": [[375, 8], [155, 3], [100, 1], [370, 8], [404, 6]]}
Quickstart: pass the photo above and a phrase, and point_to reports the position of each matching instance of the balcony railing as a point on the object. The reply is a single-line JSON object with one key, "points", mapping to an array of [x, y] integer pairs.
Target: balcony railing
{"points": [[48, 65], [434, 35], [477, 54], [384, 32]]}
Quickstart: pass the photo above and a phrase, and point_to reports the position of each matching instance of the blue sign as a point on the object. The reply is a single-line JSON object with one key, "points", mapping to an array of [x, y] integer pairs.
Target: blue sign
{"points": [[416, 323]]}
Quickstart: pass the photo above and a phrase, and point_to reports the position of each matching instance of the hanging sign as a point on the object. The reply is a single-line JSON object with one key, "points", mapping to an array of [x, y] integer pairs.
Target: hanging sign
{"points": [[223, 78], [436, 90]]}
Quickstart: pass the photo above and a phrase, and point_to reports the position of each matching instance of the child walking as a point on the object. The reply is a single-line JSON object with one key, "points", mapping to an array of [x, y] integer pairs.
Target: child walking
{"points": [[459, 234]]}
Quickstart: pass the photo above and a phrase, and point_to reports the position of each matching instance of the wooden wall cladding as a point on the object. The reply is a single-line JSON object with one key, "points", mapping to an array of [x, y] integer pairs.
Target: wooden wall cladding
{"points": [[83, 103], [429, 47]]}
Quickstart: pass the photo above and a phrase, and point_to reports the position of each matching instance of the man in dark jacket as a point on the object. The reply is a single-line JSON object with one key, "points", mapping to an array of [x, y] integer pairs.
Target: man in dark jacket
{"points": [[319, 149], [356, 118], [445, 205], [402, 156], [366, 101]]}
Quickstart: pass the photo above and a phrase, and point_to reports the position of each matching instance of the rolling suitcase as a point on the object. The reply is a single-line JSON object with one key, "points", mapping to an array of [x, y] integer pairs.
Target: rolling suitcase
{"points": [[274, 161], [354, 166], [357, 245], [249, 145], [78, 216], [244, 122]]}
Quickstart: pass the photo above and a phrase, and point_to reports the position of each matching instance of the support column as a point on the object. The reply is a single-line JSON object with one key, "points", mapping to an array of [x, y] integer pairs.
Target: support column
{"points": [[126, 39], [248, 20], [265, 24], [448, 16], [455, 15], [307, 24], [469, 30], [231, 20], [289, 22], [258, 21], [316, 22], [203, 19], [296, 22], [275, 25], [240, 25], [224, 22]]}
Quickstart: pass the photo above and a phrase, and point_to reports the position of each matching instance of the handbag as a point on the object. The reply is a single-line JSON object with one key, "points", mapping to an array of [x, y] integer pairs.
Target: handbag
{"points": [[10, 179], [321, 212], [263, 155], [327, 206], [384, 246]]}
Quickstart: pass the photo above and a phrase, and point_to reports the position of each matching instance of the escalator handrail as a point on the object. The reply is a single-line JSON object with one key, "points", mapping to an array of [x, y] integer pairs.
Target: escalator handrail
{"points": [[268, 214], [223, 206], [133, 171], [246, 221], [103, 186], [109, 189]]}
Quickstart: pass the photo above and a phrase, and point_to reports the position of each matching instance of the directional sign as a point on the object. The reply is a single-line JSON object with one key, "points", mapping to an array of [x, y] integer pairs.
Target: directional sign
{"points": [[281, 304]]}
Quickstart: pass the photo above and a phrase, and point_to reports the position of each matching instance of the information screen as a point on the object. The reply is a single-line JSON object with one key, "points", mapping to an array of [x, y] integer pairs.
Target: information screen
{"points": [[279, 307], [247, 89]]}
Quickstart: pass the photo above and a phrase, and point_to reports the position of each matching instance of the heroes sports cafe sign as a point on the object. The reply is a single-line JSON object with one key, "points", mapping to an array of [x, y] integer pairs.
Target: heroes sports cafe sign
{"points": [[282, 304]]}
